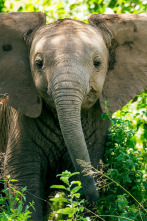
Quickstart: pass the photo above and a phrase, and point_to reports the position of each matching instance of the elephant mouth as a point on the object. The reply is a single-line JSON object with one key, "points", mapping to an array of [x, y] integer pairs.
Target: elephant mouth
{"points": [[90, 99]]}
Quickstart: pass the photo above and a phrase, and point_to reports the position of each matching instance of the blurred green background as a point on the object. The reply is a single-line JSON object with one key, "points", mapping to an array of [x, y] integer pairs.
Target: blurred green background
{"points": [[78, 9]]}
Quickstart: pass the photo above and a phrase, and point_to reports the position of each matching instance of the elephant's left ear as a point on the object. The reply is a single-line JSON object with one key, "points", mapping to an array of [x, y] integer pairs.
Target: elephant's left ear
{"points": [[15, 74], [126, 38]]}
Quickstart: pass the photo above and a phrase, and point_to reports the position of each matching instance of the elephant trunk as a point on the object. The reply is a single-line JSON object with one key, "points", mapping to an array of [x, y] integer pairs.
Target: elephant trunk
{"points": [[68, 96]]}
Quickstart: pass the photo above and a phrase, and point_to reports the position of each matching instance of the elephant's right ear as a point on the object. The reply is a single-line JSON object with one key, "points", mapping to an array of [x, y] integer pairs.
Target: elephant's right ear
{"points": [[15, 74], [126, 37]]}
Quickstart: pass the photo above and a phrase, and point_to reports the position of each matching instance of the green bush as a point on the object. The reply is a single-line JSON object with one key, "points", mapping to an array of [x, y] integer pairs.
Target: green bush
{"points": [[125, 159], [13, 203]]}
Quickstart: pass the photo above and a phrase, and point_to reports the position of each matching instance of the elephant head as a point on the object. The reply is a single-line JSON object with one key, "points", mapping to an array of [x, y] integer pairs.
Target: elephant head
{"points": [[72, 65]]}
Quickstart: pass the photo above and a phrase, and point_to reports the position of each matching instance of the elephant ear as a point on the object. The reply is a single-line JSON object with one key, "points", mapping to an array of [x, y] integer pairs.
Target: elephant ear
{"points": [[126, 38], [15, 74]]}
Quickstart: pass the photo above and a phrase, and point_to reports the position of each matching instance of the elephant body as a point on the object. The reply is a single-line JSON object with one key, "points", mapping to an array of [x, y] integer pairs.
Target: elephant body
{"points": [[41, 151], [56, 77]]}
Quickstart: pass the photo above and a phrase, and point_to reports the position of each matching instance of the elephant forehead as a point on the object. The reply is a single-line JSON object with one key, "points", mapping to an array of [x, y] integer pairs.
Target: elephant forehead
{"points": [[71, 39], [75, 39], [72, 30]]}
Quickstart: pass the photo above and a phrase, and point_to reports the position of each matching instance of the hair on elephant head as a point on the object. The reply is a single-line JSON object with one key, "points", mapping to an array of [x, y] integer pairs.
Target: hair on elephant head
{"points": [[56, 76]]}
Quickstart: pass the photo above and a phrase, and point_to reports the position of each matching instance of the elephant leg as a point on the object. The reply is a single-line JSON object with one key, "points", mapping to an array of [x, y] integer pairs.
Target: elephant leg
{"points": [[50, 179], [24, 163]]}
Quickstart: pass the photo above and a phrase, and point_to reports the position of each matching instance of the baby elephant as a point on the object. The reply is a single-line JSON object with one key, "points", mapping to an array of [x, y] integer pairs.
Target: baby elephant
{"points": [[56, 76]]}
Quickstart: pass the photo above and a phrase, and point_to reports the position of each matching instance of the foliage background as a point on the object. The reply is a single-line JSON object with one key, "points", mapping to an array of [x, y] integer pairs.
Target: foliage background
{"points": [[126, 152], [78, 9]]}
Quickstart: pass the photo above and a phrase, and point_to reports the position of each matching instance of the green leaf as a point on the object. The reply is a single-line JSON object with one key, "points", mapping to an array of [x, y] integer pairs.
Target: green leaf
{"points": [[76, 182], [104, 116], [81, 208], [20, 208], [75, 173], [32, 205], [76, 189], [24, 189], [77, 195], [24, 198], [58, 199], [65, 180], [58, 187], [66, 173], [122, 202], [14, 180], [64, 211], [72, 211]]}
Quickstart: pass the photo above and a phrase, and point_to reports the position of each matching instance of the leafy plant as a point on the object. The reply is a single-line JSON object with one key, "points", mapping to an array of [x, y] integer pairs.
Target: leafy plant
{"points": [[121, 209], [73, 206], [125, 160], [13, 203]]}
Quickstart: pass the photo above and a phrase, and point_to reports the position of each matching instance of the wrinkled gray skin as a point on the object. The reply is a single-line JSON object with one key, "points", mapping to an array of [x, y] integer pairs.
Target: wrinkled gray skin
{"points": [[69, 62]]}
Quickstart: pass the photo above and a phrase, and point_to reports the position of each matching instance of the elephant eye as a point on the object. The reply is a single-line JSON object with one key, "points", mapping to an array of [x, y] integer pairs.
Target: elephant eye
{"points": [[97, 62], [39, 63]]}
